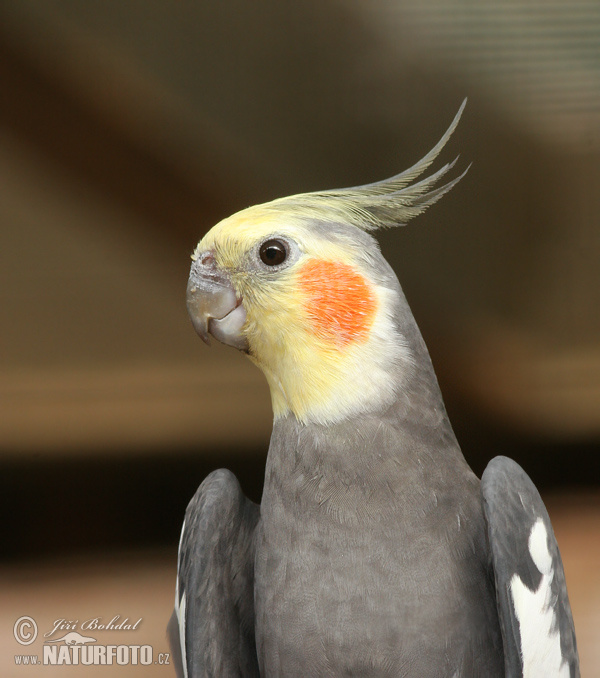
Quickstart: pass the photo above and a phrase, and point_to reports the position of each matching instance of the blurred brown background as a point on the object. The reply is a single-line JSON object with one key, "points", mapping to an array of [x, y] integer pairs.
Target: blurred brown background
{"points": [[128, 128]]}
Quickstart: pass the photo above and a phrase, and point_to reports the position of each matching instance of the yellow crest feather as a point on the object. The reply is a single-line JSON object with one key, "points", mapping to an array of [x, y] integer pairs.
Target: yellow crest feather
{"points": [[391, 202]]}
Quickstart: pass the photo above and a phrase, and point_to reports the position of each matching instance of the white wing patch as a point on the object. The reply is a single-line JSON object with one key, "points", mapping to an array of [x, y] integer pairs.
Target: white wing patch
{"points": [[540, 644], [180, 611], [178, 557], [180, 608]]}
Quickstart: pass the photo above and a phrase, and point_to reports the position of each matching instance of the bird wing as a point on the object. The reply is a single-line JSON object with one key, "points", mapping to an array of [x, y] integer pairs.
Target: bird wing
{"points": [[533, 605], [212, 627]]}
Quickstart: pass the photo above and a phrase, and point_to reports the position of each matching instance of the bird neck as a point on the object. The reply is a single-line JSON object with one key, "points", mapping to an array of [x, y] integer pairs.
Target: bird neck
{"points": [[369, 468], [326, 377], [386, 448]]}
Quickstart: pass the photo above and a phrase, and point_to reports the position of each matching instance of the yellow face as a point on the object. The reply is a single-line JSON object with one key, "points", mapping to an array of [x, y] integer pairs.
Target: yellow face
{"points": [[316, 323]]}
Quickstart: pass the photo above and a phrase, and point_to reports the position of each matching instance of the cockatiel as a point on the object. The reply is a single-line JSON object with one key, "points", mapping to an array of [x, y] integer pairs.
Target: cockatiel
{"points": [[375, 550]]}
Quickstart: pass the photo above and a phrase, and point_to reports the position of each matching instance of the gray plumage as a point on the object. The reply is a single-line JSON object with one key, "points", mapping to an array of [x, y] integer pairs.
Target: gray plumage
{"points": [[512, 507], [375, 551], [212, 627]]}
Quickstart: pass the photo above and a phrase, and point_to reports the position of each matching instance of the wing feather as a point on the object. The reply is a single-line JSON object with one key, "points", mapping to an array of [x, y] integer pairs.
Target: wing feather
{"points": [[212, 628], [533, 604]]}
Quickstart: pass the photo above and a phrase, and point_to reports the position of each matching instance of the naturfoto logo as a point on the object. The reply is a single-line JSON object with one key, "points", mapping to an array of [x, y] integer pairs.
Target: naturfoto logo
{"points": [[65, 645]]}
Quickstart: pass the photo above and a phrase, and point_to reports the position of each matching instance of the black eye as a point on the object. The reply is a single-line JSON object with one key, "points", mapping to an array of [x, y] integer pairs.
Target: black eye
{"points": [[273, 252]]}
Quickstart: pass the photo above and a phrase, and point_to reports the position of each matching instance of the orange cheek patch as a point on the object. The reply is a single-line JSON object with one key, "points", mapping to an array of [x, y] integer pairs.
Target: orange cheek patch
{"points": [[339, 301]]}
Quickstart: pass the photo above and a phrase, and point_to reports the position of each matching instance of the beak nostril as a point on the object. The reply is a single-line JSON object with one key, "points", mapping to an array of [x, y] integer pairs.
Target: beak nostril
{"points": [[213, 305]]}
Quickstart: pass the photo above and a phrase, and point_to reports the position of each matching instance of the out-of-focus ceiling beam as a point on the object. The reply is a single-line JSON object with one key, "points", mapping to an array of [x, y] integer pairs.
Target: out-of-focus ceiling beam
{"points": [[44, 114]]}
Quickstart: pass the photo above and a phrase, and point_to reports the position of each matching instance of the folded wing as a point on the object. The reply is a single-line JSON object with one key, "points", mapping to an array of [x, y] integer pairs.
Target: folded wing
{"points": [[212, 627], [533, 605]]}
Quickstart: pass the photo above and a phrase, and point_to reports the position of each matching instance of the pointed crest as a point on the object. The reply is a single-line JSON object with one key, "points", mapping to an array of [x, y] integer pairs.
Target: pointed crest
{"points": [[383, 204]]}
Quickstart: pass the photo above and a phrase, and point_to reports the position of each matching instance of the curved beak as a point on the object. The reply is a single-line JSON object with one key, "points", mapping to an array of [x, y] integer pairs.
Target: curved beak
{"points": [[213, 304]]}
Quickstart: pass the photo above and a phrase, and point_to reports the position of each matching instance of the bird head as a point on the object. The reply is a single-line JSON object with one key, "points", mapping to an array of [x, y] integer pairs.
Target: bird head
{"points": [[301, 287]]}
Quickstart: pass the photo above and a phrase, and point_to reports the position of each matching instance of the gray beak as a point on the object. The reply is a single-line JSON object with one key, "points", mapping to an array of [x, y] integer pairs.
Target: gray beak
{"points": [[213, 304]]}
